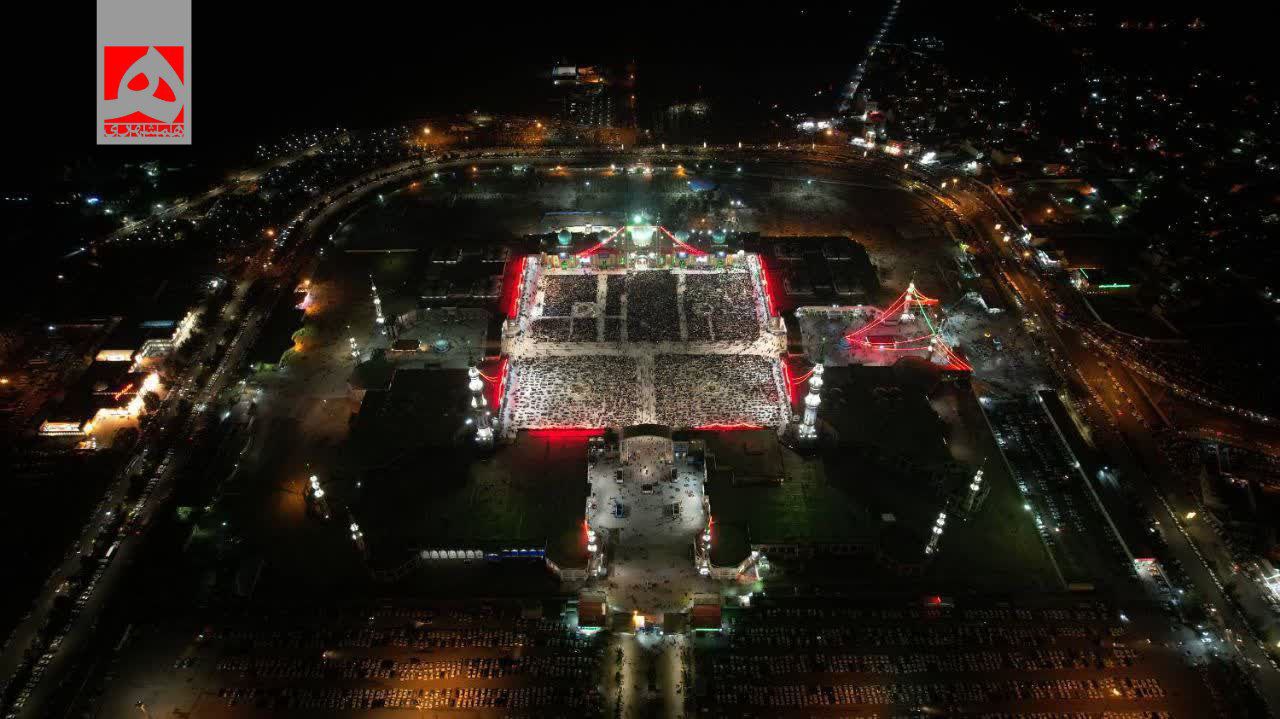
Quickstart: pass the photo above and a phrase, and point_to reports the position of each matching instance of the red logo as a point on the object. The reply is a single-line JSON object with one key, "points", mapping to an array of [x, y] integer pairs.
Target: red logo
{"points": [[144, 91]]}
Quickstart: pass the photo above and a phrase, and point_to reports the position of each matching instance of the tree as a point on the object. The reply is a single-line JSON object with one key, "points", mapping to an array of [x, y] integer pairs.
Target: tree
{"points": [[151, 402]]}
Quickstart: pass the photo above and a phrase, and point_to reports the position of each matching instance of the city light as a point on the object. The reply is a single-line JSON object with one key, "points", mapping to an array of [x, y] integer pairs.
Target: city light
{"points": [[669, 394]]}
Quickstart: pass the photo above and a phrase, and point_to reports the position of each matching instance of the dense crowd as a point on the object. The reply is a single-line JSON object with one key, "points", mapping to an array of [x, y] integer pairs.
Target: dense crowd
{"points": [[685, 391], [614, 285], [562, 292], [720, 306], [575, 391], [716, 306], [695, 390], [552, 329], [652, 315]]}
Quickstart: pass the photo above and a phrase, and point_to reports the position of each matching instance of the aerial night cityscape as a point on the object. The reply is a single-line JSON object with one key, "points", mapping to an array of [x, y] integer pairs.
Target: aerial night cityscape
{"points": [[886, 359]]}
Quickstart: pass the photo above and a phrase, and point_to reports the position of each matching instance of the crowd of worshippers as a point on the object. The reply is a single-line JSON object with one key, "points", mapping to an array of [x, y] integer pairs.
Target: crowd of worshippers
{"points": [[697, 390], [717, 307], [720, 306], [562, 292], [576, 391], [685, 391]]}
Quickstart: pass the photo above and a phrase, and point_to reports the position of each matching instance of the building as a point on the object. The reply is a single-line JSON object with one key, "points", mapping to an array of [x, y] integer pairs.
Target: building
{"points": [[583, 97], [278, 337], [594, 97], [757, 515], [107, 390], [147, 341], [639, 244]]}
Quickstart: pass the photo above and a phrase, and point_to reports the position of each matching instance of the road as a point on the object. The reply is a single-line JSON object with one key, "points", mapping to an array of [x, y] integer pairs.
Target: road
{"points": [[181, 207], [104, 529], [127, 536], [1124, 418]]}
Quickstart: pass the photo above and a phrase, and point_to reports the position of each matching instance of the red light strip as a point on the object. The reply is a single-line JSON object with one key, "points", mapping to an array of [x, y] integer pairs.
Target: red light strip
{"points": [[565, 431], [124, 391], [502, 386], [768, 291], [889, 348], [689, 248], [895, 343], [919, 297], [802, 377], [513, 305], [956, 361], [593, 249], [727, 427], [892, 309], [787, 383]]}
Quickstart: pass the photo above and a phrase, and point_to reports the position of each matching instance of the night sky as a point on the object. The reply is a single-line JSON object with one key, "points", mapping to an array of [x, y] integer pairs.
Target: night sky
{"points": [[263, 69]]}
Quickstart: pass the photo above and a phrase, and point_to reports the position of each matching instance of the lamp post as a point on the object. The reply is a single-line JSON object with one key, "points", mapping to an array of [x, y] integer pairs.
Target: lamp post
{"points": [[936, 535], [357, 536], [318, 496], [972, 499]]}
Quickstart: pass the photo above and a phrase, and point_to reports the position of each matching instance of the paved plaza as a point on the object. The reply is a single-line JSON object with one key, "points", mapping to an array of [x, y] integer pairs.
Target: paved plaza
{"points": [[649, 503]]}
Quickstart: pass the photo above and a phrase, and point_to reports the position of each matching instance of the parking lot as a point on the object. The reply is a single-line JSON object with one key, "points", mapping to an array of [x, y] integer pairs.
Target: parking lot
{"points": [[1051, 659], [483, 659]]}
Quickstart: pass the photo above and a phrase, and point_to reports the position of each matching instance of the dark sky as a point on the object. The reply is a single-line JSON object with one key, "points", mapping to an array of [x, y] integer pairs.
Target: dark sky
{"points": [[263, 67]]}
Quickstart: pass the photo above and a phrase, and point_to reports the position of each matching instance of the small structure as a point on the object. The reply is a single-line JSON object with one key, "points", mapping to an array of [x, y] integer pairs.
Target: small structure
{"points": [[977, 493], [107, 391], [593, 610], [706, 614]]}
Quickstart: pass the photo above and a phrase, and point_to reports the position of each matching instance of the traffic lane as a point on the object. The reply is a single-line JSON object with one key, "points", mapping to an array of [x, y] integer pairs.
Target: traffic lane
{"points": [[75, 634], [1195, 564], [1204, 579]]}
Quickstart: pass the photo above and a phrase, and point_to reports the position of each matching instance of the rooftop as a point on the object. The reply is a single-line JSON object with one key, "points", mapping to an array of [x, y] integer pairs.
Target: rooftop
{"points": [[103, 385], [276, 336], [431, 489], [807, 507]]}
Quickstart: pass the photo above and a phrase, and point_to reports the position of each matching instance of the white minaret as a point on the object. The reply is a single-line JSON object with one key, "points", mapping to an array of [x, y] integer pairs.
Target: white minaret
{"points": [[479, 408], [808, 423], [934, 538]]}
